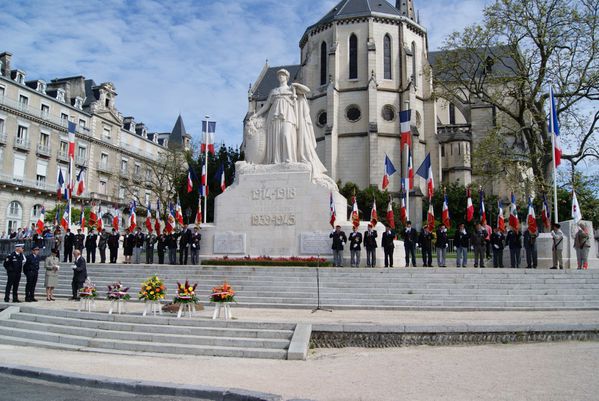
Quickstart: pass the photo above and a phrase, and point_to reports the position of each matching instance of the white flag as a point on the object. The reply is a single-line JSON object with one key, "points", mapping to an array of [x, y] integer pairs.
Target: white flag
{"points": [[576, 213]]}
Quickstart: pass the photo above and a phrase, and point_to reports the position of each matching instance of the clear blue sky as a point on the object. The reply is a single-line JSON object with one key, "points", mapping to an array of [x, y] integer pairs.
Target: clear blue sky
{"points": [[170, 57]]}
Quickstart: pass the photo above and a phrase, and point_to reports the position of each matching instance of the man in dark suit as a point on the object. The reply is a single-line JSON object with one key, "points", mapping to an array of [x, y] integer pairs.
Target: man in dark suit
{"points": [[171, 240], [79, 240], [355, 241], [113, 245], [91, 243], [69, 240], [14, 266], [184, 241], [150, 241], [161, 247], [426, 244], [388, 246], [138, 245], [102, 244], [79, 274], [370, 245], [196, 237], [31, 268], [339, 239], [410, 239]]}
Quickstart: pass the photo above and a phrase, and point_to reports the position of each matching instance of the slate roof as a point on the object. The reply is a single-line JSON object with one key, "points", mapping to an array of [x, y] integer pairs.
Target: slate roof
{"points": [[503, 64], [176, 137], [91, 95], [270, 81], [357, 8]]}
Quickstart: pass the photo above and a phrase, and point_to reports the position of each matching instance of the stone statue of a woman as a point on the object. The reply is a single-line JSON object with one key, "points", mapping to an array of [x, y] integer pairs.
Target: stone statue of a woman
{"points": [[288, 131]]}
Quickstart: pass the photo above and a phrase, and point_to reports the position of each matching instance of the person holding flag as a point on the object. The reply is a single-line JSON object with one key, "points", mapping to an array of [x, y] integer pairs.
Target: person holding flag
{"points": [[339, 240], [530, 237]]}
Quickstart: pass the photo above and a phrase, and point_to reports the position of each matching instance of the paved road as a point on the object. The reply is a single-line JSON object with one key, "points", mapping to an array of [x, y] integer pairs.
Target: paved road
{"points": [[21, 388]]}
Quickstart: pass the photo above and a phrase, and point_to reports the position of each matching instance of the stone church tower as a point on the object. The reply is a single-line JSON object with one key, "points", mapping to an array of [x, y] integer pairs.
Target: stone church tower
{"points": [[365, 61]]}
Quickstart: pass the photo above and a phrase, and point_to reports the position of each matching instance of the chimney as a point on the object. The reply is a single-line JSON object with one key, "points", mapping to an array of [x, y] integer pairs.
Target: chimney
{"points": [[5, 64]]}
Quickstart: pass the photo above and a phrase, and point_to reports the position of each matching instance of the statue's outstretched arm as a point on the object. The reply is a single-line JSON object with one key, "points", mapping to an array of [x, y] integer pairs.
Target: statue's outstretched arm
{"points": [[301, 89]]}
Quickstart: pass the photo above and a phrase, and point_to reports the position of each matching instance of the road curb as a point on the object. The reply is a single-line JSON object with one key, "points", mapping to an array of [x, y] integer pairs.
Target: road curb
{"points": [[140, 387]]}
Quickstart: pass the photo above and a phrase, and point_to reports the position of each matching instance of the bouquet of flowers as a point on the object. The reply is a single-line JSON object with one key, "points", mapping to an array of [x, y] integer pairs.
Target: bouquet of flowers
{"points": [[88, 290], [186, 293], [223, 293], [152, 289], [117, 291]]}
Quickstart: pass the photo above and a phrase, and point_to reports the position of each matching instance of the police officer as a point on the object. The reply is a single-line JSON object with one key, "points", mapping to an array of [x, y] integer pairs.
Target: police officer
{"points": [[91, 243], [150, 241], [69, 240], [196, 237], [162, 245], [102, 244], [78, 241], [31, 269], [14, 266], [113, 245]]}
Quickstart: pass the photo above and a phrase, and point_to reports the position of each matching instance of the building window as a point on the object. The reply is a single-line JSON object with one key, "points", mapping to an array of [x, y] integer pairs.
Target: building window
{"points": [[104, 160], [81, 153], [60, 95], [21, 138], [23, 102], [387, 56], [36, 211], [321, 119], [459, 149], [451, 114], [45, 110], [82, 123], [442, 150], [41, 173], [388, 112], [148, 174], [102, 187], [451, 149], [121, 192], [64, 118], [124, 165], [106, 132], [1, 126], [18, 170], [20, 78], [64, 149], [14, 216], [1, 91], [137, 169], [353, 113], [147, 198], [353, 57], [323, 63], [414, 80]]}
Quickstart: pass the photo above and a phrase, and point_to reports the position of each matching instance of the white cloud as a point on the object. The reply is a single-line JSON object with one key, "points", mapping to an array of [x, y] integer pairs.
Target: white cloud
{"points": [[189, 57]]}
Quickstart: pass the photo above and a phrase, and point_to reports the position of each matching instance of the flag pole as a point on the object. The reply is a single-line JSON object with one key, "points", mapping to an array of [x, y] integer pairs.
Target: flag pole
{"points": [[407, 172], [206, 129], [552, 125], [69, 189]]}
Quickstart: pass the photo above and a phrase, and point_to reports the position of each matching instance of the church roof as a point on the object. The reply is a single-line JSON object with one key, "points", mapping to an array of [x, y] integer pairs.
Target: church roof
{"points": [[176, 137], [270, 81], [357, 8], [499, 59]]}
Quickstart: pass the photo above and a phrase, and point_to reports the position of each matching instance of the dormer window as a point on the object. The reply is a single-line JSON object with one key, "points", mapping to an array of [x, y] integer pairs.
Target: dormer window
{"points": [[60, 95], [41, 87], [20, 78], [107, 102], [78, 103]]}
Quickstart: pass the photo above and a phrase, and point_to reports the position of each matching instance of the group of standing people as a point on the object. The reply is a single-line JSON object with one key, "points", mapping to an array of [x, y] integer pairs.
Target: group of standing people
{"points": [[134, 242], [356, 240]]}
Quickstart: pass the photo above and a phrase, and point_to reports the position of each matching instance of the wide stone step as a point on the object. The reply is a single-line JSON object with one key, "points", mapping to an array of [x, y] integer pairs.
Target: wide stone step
{"points": [[149, 336], [141, 346], [158, 329]]}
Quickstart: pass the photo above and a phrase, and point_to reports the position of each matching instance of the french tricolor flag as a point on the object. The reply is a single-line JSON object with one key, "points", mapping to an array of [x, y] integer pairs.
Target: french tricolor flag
{"points": [[208, 128], [132, 216], [445, 212], [513, 220], [203, 182], [149, 218], [390, 215], [409, 181], [404, 127], [64, 221], [500, 219], [545, 213], [531, 218], [40, 222], [389, 171], [403, 213], [189, 180], [60, 187], [220, 177], [469, 207], [554, 129], [80, 183], [426, 171], [72, 127], [483, 212], [332, 211]]}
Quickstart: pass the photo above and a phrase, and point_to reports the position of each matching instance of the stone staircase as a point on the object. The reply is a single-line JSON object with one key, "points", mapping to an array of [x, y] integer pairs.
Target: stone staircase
{"points": [[125, 334], [397, 288]]}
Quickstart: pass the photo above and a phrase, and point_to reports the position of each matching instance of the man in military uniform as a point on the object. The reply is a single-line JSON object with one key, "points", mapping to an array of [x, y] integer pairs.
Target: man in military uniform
{"points": [[196, 237], [138, 245], [410, 239], [14, 266], [370, 245], [31, 269], [184, 241], [478, 238], [161, 247], [78, 241], [388, 246], [69, 240], [102, 244], [91, 243], [355, 241], [150, 241], [113, 245]]}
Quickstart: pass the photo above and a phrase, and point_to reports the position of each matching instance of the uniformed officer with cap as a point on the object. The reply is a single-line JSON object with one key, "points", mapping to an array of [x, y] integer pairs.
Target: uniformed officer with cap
{"points": [[14, 266], [31, 269]]}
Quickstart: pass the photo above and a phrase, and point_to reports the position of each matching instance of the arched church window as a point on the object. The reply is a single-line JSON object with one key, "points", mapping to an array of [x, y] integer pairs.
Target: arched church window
{"points": [[414, 75], [387, 56], [353, 57], [323, 63], [451, 113]]}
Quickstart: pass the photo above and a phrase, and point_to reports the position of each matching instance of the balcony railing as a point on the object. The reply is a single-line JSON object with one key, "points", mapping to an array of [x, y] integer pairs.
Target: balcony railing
{"points": [[25, 108], [43, 150], [81, 161], [3, 138], [41, 185], [97, 195], [123, 173], [22, 143], [62, 155], [104, 167]]}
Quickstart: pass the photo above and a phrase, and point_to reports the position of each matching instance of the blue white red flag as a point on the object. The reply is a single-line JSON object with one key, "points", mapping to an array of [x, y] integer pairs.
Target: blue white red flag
{"points": [[404, 127], [483, 212], [40, 221], [469, 206], [60, 186], [219, 177], [513, 220], [426, 171], [72, 127], [389, 171], [80, 183], [149, 218], [531, 219], [500, 218], [203, 182], [554, 128], [208, 130], [132, 216], [64, 221], [546, 213], [445, 212], [332, 211]]}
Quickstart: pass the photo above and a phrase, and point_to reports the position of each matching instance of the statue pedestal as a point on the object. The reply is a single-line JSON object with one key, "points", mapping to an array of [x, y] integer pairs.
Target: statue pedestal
{"points": [[276, 210]]}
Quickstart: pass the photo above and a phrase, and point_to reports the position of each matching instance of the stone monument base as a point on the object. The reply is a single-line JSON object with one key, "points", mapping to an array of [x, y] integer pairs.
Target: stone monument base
{"points": [[279, 210]]}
